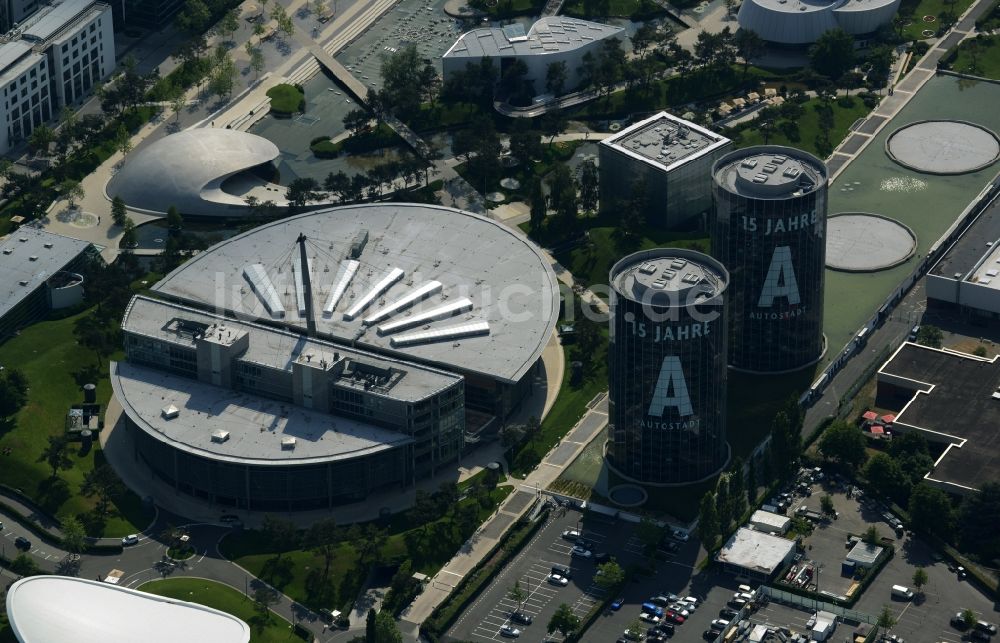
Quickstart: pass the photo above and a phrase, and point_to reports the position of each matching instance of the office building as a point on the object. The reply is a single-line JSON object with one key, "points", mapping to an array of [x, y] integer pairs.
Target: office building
{"points": [[40, 273], [667, 376], [670, 160], [54, 58], [553, 39], [770, 232]]}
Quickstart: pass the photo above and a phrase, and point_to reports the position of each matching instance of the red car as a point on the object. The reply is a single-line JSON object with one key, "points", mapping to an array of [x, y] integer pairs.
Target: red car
{"points": [[671, 615]]}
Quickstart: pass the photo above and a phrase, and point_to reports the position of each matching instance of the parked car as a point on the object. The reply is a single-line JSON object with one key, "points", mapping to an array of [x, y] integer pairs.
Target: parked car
{"points": [[986, 626], [737, 602], [979, 635], [958, 622], [670, 547], [580, 552], [22, 543], [681, 608], [681, 535], [229, 518], [571, 534], [617, 604], [691, 601], [562, 571], [510, 632], [666, 629], [602, 557], [649, 618], [521, 617], [660, 601], [586, 544], [131, 539], [719, 624], [674, 617], [556, 579], [709, 635], [728, 614]]}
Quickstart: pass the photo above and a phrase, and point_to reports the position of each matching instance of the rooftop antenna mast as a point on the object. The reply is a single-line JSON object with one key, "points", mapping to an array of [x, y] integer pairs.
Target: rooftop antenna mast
{"points": [[307, 284]]}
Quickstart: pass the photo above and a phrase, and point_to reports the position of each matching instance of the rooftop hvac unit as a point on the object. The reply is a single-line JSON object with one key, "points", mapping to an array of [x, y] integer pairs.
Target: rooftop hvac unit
{"points": [[48, 244], [169, 412], [287, 444], [23, 282], [8, 251], [33, 258], [220, 436]]}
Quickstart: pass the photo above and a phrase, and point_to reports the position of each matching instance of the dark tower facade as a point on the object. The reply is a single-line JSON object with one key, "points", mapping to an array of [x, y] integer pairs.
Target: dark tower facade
{"points": [[770, 232], [667, 388]]}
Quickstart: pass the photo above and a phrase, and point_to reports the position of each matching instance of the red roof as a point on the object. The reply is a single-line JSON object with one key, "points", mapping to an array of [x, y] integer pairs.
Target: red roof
{"points": [[888, 418], [870, 415], [877, 429]]}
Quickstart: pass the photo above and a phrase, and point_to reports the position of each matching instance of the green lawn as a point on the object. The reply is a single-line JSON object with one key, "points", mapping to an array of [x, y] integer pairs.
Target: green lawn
{"points": [[225, 599], [808, 128], [979, 57], [286, 100], [434, 544], [56, 368], [913, 12]]}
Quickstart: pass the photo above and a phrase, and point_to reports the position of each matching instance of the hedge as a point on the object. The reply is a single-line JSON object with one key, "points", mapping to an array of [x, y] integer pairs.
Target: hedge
{"points": [[323, 148], [286, 100], [469, 589]]}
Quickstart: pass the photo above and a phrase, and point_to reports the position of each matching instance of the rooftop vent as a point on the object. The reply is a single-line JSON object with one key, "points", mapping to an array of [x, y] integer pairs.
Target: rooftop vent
{"points": [[677, 264], [779, 159], [647, 268], [23, 282], [691, 278], [8, 251], [48, 244], [287, 443], [220, 436], [659, 283], [169, 412], [23, 239], [770, 169], [669, 274], [33, 258], [760, 178], [749, 163], [791, 172]]}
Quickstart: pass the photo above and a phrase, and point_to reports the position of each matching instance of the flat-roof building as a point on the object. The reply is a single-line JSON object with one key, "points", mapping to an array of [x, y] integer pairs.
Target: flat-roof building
{"points": [[40, 273], [770, 522], [671, 160], [552, 39], [864, 554], [53, 58], [802, 22], [314, 360], [45, 609], [968, 274], [756, 554], [952, 399]]}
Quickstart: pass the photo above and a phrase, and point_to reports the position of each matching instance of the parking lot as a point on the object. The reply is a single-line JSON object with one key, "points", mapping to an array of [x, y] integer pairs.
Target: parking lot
{"points": [[531, 569]]}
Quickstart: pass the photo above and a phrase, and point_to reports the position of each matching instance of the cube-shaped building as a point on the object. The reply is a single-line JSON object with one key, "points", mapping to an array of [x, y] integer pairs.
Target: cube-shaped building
{"points": [[671, 160]]}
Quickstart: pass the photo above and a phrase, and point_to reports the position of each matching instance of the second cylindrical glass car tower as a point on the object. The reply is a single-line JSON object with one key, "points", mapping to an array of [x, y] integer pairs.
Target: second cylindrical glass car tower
{"points": [[769, 230]]}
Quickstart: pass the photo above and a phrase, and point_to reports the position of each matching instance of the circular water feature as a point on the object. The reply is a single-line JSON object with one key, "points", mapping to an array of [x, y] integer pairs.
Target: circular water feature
{"points": [[943, 147], [864, 242], [510, 183], [496, 197], [627, 495]]}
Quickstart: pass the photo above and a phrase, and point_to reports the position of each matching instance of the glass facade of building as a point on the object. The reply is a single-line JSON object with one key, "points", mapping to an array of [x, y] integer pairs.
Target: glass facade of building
{"points": [[770, 233], [667, 388]]}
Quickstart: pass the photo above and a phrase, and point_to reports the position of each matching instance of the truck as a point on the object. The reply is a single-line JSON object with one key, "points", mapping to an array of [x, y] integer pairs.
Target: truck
{"points": [[901, 592]]}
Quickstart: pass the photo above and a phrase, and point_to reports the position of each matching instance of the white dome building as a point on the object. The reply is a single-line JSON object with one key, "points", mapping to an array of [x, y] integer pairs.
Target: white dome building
{"points": [[802, 22], [204, 172]]}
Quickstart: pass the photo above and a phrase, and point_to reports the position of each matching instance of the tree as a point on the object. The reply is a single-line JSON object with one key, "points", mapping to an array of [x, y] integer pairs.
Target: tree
{"points": [[321, 539], [386, 630], [872, 535], [886, 620], [511, 434], [649, 534], [230, 23], [555, 77], [223, 76], [256, 61], [729, 4], [301, 191], [525, 145], [589, 185], [40, 139], [826, 504], [737, 489], [118, 211], [103, 482], [968, 617], [370, 626], [843, 443], [123, 140], [538, 204], [174, 219], [723, 504], [356, 121], [610, 576], [977, 520], [931, 511], [263, 598], [129, 239], [919, 578], [786, 442], [74, 538], [72, 191], [194, 17], [517, 594], [751, 483], [748, 46], [92, 334], [884, 474], [178, 100], [280, 533], [24, 565], [563, 621], [929, 335], [56, 454], [259, 30], [833, 53], [708, 521]]}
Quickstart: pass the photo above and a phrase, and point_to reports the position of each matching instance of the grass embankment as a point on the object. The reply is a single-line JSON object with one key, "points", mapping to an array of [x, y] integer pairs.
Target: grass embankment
{"points": [[286, 100], [428, 547], [913, 12], [979, 56], [370, 140], [225, 599], [805, 134], [57, 367]]}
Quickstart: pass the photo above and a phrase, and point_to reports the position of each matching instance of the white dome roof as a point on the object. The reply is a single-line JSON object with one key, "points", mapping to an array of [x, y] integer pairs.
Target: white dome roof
{"points": [[186, 170], [801, 22]]}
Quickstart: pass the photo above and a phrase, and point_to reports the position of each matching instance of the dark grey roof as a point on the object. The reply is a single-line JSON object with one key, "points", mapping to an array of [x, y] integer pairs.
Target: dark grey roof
{"points": [[979, 240], [958, 407], [50, 20]]}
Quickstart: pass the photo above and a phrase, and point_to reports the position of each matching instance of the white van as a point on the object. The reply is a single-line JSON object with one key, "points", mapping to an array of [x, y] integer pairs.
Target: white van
{"points": [[905, 593]]}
